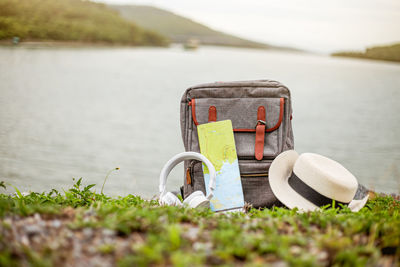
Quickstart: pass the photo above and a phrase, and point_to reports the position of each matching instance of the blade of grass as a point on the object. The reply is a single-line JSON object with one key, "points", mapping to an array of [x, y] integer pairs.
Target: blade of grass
{"points": [[105, 179]]}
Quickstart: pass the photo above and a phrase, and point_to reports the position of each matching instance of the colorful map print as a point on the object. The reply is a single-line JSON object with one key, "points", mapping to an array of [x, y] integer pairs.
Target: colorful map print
{"points": [[217, 143]]}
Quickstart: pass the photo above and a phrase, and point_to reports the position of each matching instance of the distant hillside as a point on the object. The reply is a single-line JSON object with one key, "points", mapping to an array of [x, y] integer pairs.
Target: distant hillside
{"points": [[70, 20], [180, 29], [388, 53]]}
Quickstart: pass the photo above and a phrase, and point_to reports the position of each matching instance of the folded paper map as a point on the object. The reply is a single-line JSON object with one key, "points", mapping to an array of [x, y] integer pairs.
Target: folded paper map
{"points": [[218, 145]]}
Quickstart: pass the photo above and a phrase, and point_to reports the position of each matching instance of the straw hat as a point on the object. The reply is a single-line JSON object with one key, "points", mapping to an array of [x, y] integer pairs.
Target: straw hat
{"points": [[310, 181]]}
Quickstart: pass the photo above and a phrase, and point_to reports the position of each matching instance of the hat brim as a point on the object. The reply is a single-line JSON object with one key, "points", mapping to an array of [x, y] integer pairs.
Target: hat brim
{"points": [[279, 173]]}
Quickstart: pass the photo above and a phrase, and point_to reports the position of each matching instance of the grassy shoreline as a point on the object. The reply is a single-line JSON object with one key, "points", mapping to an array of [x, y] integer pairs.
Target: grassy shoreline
{"points": [[385, 53], [80, 227], [71, 20], [78, 44]]}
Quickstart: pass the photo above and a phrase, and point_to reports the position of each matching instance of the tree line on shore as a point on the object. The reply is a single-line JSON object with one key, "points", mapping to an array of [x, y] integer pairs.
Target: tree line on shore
{"points": [[71, 20], [388, 53]]}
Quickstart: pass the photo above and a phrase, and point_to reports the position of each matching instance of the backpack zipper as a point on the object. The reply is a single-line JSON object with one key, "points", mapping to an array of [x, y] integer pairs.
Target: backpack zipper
{"points": [[255, 175]]}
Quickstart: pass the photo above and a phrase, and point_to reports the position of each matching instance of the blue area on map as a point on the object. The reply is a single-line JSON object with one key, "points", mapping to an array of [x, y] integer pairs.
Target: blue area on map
{"points": [[228, 193]]}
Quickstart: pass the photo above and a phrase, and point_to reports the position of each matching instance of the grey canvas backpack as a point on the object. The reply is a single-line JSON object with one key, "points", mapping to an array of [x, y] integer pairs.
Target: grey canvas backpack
{"points": [[260, 112]]}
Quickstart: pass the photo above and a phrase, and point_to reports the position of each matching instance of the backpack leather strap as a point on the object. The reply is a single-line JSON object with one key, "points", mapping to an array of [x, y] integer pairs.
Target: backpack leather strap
{"points": [[212, 114], [260, 133]]}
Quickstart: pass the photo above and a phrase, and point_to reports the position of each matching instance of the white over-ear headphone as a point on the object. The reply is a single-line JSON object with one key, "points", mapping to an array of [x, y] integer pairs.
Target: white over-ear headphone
{"points": [[197, 198]]}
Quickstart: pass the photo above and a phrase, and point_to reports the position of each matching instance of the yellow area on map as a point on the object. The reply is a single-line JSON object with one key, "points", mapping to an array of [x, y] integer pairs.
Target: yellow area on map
{"points": [[217, 143]]}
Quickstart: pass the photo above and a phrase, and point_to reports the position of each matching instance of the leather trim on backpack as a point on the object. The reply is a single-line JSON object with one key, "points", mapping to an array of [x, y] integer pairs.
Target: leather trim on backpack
{"points": [[260, 133], [212, 114], [192, 103]]}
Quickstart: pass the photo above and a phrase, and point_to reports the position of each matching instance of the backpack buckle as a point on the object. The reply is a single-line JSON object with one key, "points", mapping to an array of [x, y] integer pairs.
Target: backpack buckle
{"points": [[261, 122], [260, 133]]}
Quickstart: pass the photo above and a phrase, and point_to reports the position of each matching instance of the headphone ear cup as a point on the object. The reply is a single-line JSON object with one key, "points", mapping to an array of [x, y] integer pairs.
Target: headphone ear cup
{"points": [[197, 199], [170, 200]]}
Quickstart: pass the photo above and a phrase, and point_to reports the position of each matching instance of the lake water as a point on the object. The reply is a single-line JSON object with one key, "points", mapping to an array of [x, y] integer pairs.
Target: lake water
{"points": [[80, 112]]}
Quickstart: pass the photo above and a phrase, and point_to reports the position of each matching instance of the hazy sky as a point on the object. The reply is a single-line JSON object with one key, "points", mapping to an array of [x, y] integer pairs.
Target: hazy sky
{"points": [[319, 25]]}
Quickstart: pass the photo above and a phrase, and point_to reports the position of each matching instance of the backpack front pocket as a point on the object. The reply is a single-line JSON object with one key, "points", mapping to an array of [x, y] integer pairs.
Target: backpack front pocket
{"points": [[256, 123], [255, 183]]}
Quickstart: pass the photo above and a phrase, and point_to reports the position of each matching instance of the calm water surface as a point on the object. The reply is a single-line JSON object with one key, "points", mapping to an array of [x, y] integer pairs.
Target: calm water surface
{"points": [[71, 112]]}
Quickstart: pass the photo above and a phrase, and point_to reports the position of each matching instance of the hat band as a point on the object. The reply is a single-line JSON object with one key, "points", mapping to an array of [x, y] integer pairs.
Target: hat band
{"points": [[310, 194]]}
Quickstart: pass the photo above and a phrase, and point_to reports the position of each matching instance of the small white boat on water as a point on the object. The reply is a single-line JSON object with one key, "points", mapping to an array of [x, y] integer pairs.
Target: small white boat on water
{"points": [[191, 44]]}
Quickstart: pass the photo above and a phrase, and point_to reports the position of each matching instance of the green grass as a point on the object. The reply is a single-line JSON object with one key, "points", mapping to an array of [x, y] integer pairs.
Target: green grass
{"points": [[142, 233], [70, 20]]}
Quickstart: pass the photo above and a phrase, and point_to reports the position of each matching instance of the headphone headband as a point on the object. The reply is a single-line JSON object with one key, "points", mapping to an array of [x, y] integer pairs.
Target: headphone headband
{"points": [[186, 156]]}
